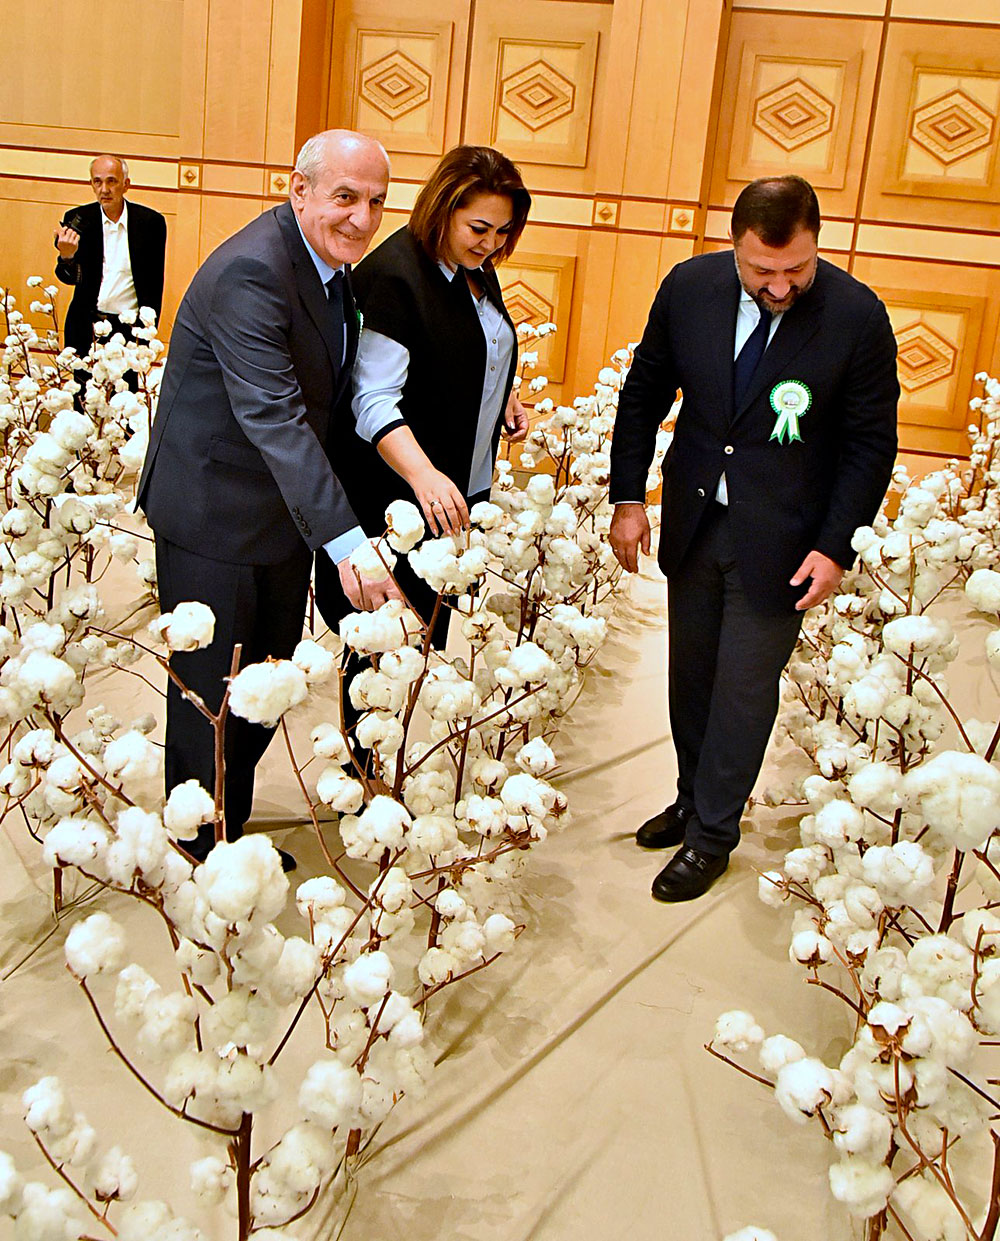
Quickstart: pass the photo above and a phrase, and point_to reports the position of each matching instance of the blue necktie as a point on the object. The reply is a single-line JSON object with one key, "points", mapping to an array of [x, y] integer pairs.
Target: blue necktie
{"points": [[749, 356]]}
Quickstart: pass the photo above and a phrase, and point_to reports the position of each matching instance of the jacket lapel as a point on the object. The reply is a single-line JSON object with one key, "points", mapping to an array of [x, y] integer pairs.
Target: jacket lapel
{"points": [[720, 333], [310, 287], [795, 330]]}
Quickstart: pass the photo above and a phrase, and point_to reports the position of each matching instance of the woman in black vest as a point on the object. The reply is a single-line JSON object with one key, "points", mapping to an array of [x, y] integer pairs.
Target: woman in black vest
{"points": [[436, 361]]}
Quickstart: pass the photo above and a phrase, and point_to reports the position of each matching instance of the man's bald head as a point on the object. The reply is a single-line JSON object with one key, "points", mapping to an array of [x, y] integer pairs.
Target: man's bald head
{"points": [[110, 183], [338, 191]]}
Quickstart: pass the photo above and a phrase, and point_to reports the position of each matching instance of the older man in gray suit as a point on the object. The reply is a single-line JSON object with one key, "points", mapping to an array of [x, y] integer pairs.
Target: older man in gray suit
{"points": [[239, 483]]}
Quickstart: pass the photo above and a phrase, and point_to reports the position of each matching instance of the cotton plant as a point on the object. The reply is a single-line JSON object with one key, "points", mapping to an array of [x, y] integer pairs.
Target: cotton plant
{"points": [[425, 811], [894, 886]]}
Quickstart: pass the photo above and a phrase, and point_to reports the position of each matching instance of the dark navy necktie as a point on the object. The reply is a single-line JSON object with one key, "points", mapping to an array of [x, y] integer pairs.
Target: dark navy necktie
{"points": [[749, 356], [335, 296]]}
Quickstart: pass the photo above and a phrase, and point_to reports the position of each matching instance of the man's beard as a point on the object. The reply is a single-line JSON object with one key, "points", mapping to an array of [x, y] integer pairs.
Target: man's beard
{"points": [[772, 305]]}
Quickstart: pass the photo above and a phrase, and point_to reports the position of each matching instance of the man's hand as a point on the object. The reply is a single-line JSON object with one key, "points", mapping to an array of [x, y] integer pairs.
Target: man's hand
{"points": [[365, 596], [515, 421], [629, 532], [825, 574], [67, 241]]}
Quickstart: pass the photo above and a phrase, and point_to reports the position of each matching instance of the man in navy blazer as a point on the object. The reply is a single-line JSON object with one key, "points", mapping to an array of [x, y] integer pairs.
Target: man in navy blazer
{"points": [[784, 445], [112, 252], [239, 483]]}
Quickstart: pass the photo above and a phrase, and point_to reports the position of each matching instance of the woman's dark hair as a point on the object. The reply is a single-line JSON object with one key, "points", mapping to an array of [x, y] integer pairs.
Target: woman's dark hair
{"points": [[775, 209], [462, 174]]}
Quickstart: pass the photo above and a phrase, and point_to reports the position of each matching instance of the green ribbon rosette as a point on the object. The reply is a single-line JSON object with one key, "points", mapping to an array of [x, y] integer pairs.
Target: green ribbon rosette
{"points": [[790, 400]]}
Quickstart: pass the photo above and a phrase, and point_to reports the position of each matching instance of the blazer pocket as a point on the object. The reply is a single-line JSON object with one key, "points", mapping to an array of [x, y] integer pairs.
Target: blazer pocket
{"points": [[242, 456]]}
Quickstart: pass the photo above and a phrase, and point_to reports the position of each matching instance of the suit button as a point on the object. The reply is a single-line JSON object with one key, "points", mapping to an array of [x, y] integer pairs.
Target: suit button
{"points": [[728, 449], [701, 492]]}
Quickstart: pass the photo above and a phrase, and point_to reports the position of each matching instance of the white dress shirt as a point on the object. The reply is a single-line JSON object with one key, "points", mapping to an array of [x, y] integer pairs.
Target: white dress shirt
{"points": [[117, 291], [747, 318], [383, 364]]}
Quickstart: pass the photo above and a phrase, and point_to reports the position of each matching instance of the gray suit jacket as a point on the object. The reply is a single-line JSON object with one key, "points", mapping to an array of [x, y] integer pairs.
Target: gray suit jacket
{"points": [[238, 467]]}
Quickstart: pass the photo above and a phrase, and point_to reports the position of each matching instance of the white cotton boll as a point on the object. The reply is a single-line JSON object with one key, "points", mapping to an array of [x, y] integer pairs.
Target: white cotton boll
{"points": [[449, 904], [242, 1017], [187, 807], [47, 679], [95, 946], [861, 1185], [939, 965], [211, 1179], [262, 693], [243, 878], [114, 1177], [392, 890], [46, 1109], [338, 791], [837, 823], [403, 665], [802, 1087], [464, 939], [372, 690], [993, 648], [527, 664], [958, 795], [167, 1026], [779, 1050], [901, 873], [328, 742], [523, 794], [408, 1031], [134, 991], [980, 929], [76, 842], [818, 791], [810, 948], [862, 904], [189, 627], [876, 786], [405, 526], [751, 1233], [318, 897], [433, 834], [806, 864], [436, 966], [447, 695], [372, 561], [772, 889], [297, 969], [888, 1017], [47, 1215], [916, 636], [738, 1030], [131, 758], [380, 730], [315, 661], [386, 820], [983, 590], [201, 966], [860, 1130], [500, 933], [330, 1094], [489, 773], [11, 1186], [931, 1212], [486, 516], [536, 757], [883, 972], [367, 979]]}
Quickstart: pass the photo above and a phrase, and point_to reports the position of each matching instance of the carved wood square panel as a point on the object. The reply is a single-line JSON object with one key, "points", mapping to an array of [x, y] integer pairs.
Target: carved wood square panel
{"points": [[532, 77], [395, 79], [937, 337], [537, 289], [952, 131]]}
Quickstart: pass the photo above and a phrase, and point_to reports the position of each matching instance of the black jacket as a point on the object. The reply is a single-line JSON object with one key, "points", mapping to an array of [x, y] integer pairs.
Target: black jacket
{"points": [[147, 242], [785, 499], [237, 467]]}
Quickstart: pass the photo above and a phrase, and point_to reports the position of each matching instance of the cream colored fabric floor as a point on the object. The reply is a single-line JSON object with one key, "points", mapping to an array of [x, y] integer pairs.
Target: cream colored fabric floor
{"points": [[573, 1099]]}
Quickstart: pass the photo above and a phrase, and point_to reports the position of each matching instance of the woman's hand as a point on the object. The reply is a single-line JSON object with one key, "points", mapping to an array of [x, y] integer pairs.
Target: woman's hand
{"points": [[515, 420], [443, 505]]}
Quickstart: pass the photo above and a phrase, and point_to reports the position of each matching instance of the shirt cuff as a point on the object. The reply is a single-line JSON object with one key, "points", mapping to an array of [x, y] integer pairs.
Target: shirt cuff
{"points": [[341, 547]]}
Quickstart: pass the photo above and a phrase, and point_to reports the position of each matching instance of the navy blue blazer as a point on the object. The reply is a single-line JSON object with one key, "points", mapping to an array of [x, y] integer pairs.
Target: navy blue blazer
{"points": [[238, 466], [785, 499]]}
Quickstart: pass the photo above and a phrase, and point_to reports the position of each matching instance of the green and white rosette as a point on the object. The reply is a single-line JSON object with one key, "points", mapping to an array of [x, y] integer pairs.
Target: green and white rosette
{"points": [[361, 320], [790, 400]]}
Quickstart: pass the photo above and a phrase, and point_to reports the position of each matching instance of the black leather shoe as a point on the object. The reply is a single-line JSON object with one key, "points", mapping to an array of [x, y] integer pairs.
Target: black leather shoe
{"points": [[666, 828], [688, 874]]}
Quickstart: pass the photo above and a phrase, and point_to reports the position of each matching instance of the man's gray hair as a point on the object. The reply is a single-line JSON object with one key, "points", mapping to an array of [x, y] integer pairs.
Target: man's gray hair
{"points": [[117, 158], [312, 158]]}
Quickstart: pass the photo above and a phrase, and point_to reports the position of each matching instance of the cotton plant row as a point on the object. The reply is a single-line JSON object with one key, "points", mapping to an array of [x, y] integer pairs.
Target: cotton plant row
{"points": [[895, 888], [437, 795]]}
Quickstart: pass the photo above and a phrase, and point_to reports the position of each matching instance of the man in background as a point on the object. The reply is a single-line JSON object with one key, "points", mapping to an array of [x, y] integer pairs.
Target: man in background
{"points": [[784, 445], [239, 483], [112, 251]]}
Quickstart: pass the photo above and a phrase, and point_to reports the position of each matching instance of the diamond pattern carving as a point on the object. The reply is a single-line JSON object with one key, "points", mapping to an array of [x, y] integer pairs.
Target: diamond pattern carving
{"points": [[526, 305], [395, 85], [952, 127], [537, 95], [924, 356], [793, 114]]}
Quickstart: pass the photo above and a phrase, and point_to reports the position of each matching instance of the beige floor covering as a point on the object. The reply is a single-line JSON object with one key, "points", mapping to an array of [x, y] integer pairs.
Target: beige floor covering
{"points": [[573, 1100]]}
